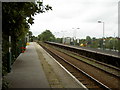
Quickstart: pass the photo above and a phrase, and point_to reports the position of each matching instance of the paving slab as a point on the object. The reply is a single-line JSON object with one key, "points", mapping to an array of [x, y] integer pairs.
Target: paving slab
{"points": [[27, 71]]}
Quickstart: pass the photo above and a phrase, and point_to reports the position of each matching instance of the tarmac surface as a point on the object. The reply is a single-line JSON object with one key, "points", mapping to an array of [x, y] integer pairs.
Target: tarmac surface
{"points": [[35, 68], [27, 71]]}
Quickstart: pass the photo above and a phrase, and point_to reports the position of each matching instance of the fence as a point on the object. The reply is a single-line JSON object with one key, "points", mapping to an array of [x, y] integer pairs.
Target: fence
{"points": [[11, 49]]}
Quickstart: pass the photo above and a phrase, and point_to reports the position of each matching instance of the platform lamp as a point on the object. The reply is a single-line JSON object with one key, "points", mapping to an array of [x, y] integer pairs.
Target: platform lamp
{"points": [[103, 33], [74, 36], [10, 55]]}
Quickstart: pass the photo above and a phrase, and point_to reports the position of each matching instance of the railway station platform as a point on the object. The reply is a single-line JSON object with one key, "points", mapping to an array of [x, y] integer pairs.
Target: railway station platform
{"points": [[35, 68], [27, 71]]}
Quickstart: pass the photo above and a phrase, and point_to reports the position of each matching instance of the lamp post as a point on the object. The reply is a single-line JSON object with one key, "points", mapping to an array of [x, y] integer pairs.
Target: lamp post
{"points": [[10, 55], [103, 33], [63, 36], [74, 35], [114, 43]]}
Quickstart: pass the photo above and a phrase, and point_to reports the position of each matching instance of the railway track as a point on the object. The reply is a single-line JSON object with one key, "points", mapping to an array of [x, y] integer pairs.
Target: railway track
{"points": [[93, 54], [82, 76], [114, 71]]}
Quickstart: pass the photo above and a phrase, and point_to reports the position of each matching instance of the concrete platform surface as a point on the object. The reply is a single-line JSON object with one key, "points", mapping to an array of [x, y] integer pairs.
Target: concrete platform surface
{"points": [[35, 68], [66, 79], [27, 71]]}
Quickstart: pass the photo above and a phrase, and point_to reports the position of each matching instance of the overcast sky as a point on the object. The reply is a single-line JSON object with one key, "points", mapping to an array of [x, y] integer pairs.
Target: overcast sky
{"points": [[69, 15]]}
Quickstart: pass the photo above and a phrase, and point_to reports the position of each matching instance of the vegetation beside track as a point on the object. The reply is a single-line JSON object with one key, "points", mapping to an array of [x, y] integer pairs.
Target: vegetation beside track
{"points": [[16, 20]]}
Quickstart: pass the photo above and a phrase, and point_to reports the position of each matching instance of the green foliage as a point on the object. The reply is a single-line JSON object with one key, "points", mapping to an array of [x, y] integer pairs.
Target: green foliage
{"points": [[46, 36], [33, 38], [82, 41], [118, 44], [16, 18], [58, 40], [5, 83], [94, 43], [88, 40], [30, 36], [110, 43]]}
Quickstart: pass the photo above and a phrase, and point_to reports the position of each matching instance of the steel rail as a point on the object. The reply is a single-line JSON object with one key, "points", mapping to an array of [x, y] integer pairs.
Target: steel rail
{"points": [[118, 76], [92, 78]]}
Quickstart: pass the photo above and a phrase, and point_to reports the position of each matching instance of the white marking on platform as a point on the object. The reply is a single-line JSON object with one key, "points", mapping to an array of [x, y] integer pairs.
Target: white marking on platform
{"points": [[67, 71]]}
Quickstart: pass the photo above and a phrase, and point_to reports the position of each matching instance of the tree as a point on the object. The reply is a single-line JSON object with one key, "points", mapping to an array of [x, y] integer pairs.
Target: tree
{"points": [[30, 36], [94, 43], [118, 45], [112, 43], [16, 18], [58, 40], [46, 36], [88, 40]]}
